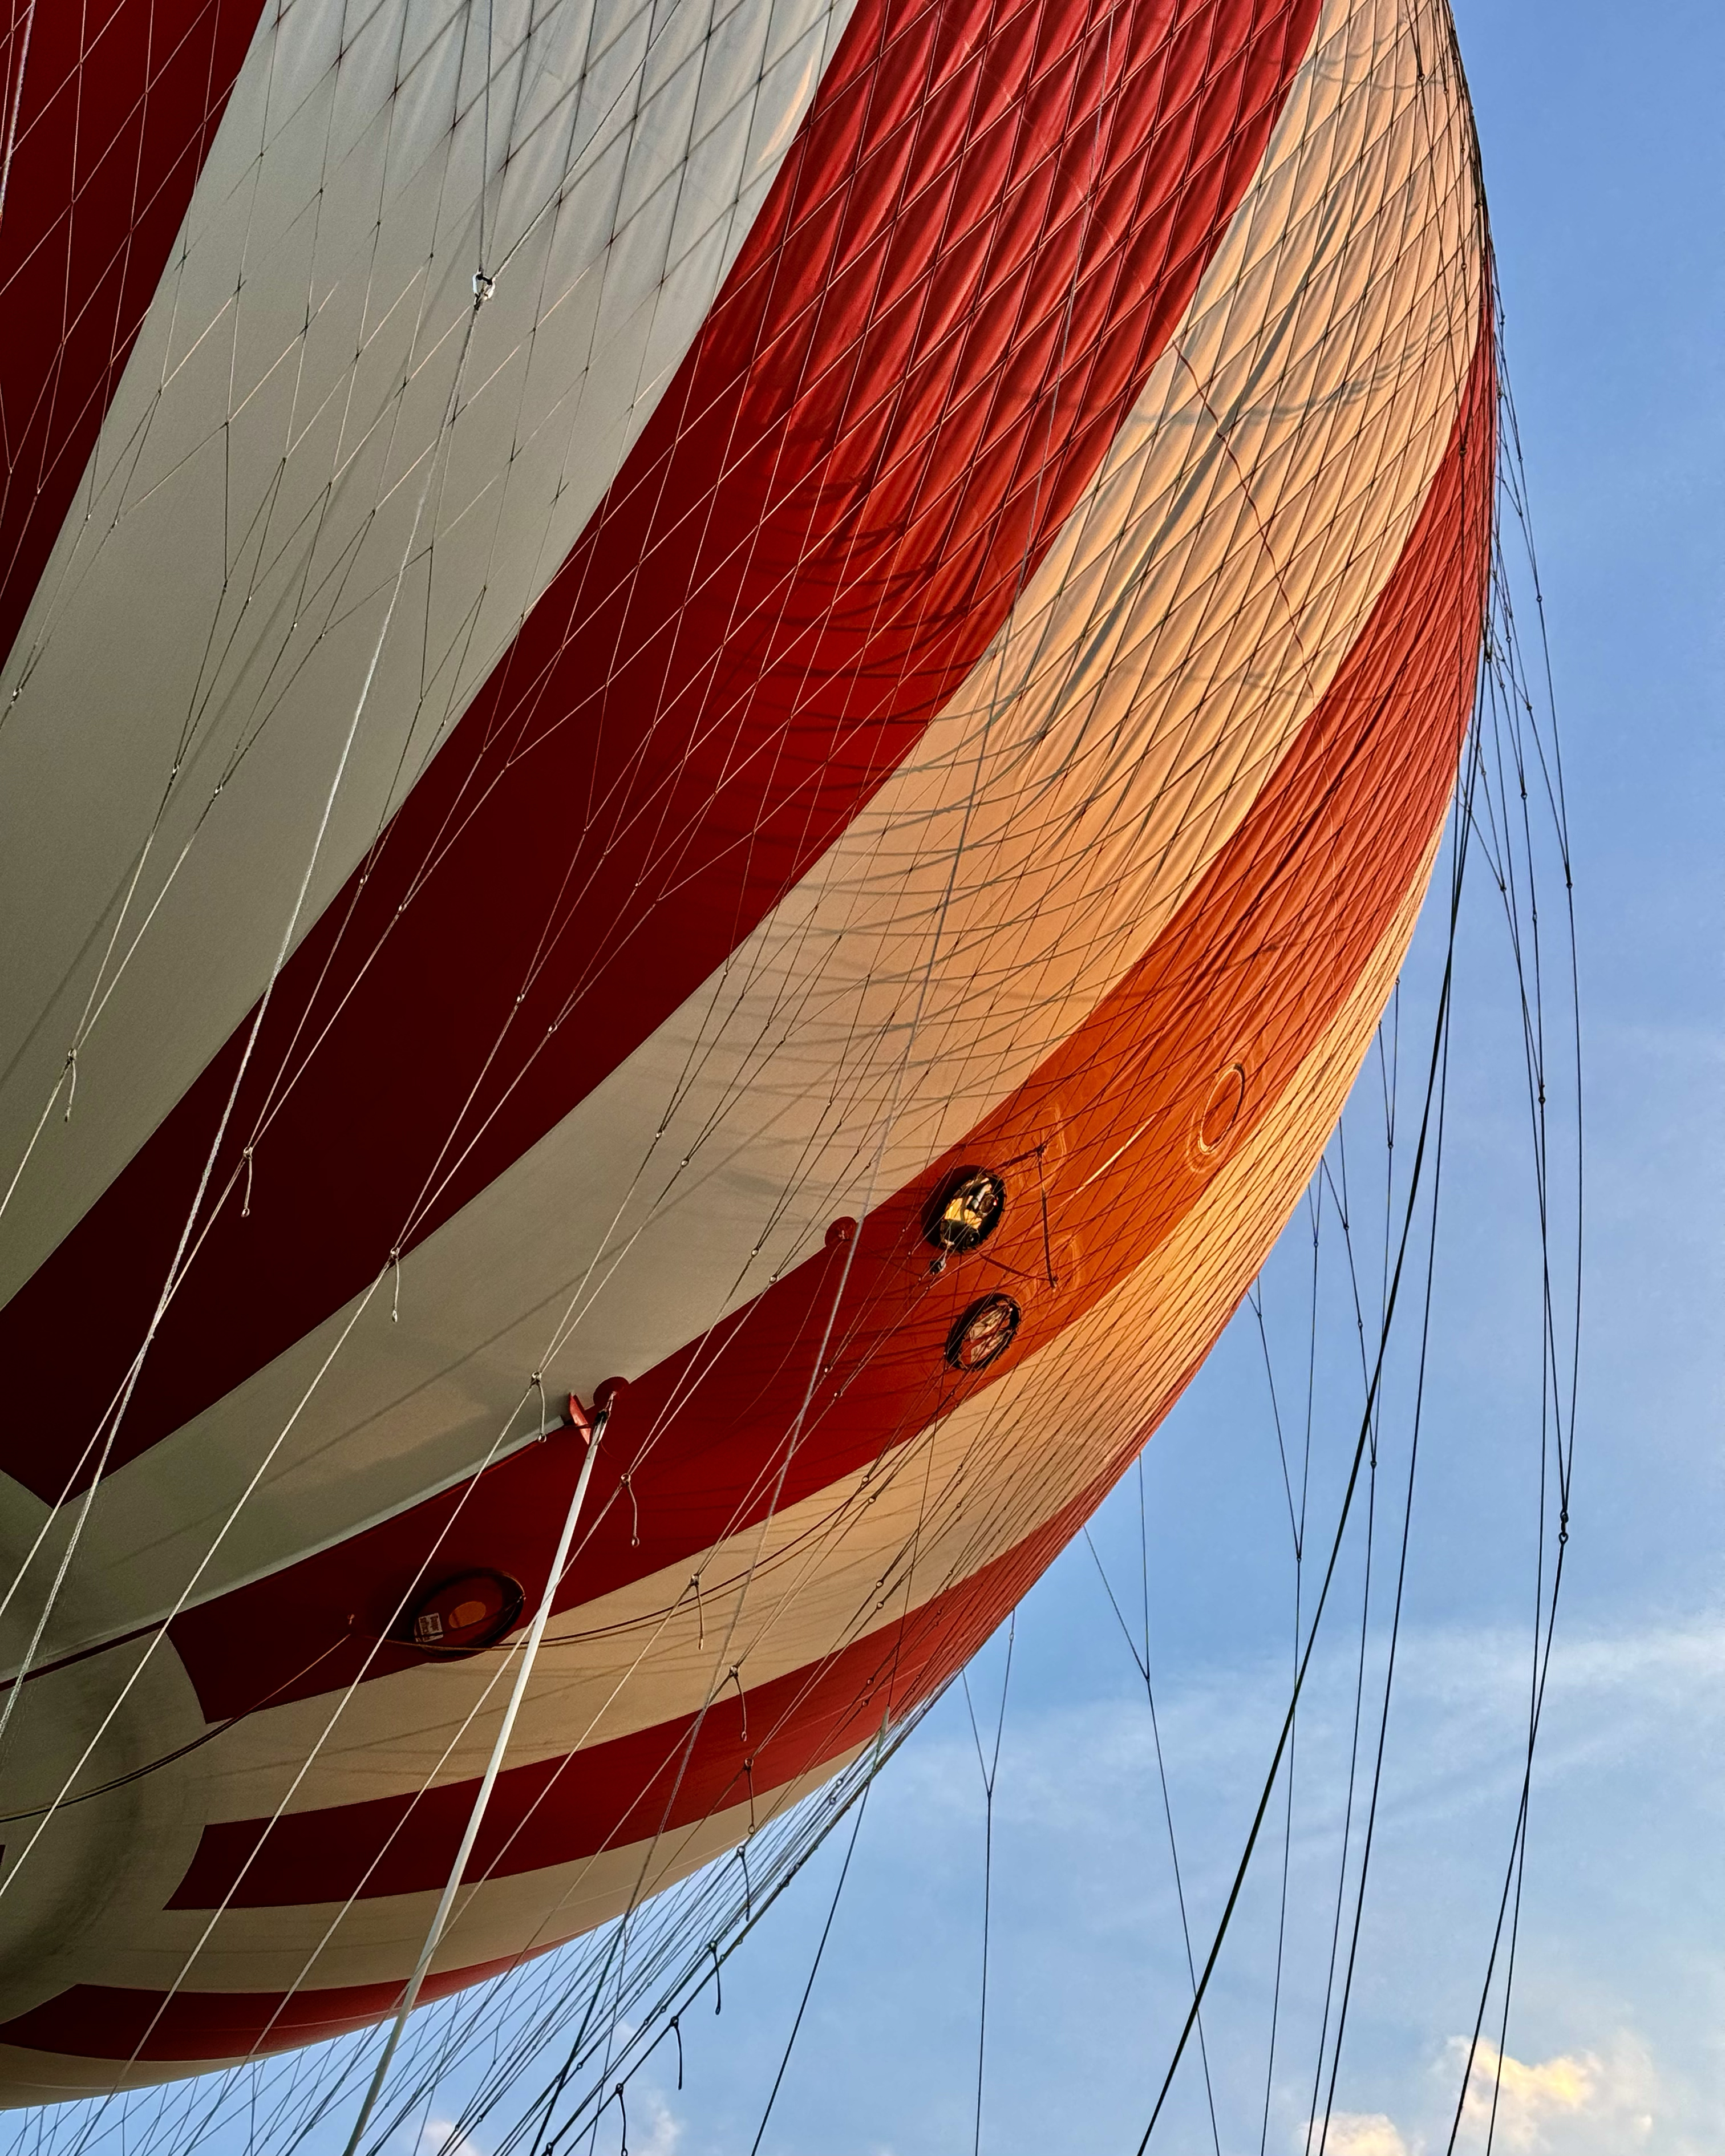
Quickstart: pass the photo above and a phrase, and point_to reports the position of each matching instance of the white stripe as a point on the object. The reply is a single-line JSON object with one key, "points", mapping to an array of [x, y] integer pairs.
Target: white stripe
{"points": [[542, 1908], [220, 579]]}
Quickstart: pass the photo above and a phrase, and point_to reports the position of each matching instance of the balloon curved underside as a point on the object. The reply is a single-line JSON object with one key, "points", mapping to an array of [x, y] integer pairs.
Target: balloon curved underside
{"points": [[928, 625]]}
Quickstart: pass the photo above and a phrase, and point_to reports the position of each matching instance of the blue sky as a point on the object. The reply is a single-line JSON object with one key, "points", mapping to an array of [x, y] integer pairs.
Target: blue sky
{"points": [[1602, 147]]}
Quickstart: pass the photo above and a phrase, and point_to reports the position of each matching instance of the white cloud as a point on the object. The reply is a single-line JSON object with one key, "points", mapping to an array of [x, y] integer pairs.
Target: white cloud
{"points": [[1577, 2103], [434, 2140], [654, 2128], [1361, 2133]]}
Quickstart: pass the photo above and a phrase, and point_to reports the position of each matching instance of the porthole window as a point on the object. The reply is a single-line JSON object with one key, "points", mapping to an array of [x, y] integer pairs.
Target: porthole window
{"points": [[966, 1210], [983, 1333], [465, 1614]]}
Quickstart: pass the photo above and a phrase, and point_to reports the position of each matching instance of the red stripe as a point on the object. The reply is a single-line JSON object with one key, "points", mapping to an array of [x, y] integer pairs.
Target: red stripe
{"points": [[120, 101], [992, 220], [1249, 974], [120, 2021], [537, 1816], [652, 1781]]}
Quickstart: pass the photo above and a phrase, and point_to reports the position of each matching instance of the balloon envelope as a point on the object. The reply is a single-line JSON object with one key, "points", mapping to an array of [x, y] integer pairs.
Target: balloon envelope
{"points": [[755, 698]]}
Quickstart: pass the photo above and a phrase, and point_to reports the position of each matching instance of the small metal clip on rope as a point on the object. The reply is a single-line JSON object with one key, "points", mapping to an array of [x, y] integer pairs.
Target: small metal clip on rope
{"points": [[736, 1675], [483, 287]]}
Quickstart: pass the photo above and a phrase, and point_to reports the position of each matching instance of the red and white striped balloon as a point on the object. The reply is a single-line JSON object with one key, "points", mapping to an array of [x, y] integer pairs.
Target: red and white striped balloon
{"points": [[641, 637]]}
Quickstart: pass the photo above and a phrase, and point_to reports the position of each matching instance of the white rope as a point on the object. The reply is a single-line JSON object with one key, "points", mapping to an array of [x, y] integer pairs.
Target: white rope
{"points": [[475, 1818], [18, 102]]}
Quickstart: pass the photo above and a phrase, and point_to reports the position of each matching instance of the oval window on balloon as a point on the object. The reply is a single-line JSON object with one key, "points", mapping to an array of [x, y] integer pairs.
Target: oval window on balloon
{"points": [[465, 1614]]}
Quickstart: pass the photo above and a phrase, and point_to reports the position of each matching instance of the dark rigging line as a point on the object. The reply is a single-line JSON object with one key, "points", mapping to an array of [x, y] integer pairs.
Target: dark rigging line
{"points": [[1311, 2118], [1366, 1427], [814, 1970], [989, 1775], [1315, 1200], [1143, 1666], [1506, 653], [1396, 1616]]}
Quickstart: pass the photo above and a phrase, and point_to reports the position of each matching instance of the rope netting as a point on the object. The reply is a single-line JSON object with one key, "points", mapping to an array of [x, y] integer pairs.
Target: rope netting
{"points": [[947, 1012]]}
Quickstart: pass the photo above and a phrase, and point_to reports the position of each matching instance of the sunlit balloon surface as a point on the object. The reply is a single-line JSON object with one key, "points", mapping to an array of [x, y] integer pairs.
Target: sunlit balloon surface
{"points": [[750, 697]]}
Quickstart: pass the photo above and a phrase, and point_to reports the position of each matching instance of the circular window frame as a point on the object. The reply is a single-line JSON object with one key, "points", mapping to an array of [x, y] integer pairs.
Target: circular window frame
{"points": [[960, 1241], [966, 1323]]}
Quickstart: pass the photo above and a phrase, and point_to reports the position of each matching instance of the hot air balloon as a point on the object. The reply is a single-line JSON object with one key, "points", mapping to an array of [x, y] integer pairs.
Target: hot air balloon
{"points": [[722, 723]]}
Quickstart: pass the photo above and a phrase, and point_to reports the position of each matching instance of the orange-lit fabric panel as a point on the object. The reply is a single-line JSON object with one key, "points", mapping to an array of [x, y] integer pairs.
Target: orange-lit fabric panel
{"points": [[1244, 979], [83, 2022]]}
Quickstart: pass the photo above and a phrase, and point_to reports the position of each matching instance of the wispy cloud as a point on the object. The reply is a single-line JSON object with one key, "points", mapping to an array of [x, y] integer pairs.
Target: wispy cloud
{"points": [[1083, 1885], [654, 2129], [1459, 1733]]}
